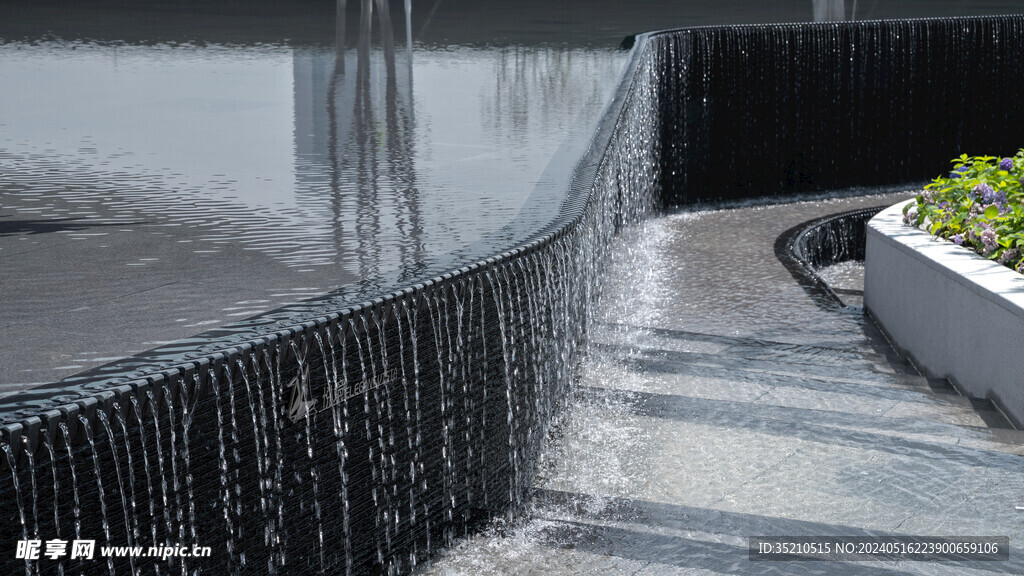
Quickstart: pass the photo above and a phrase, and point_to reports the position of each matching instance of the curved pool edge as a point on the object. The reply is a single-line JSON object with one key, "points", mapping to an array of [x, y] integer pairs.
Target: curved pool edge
{"points": [[807, 247], [956, 314]]}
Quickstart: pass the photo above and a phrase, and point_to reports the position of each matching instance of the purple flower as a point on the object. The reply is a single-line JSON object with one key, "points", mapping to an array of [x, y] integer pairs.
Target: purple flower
{"points": [[989, 239], [1009, 256], [959, 171], [1020, 267], [958, 239], [1006, 164], [988, 195], [980, 191], [910, 218], [927, 196]]}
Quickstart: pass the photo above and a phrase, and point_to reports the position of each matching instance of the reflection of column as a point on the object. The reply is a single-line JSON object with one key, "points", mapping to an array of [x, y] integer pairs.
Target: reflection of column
{"points": [[408, 28], [829, 10], [355, 146], [338, 128], [408, 46], [339, 35], [398, 118], [311, 80], [367, 209], [374, 200]]}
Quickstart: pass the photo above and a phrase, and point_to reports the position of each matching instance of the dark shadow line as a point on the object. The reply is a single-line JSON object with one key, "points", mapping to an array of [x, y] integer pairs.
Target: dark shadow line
{"points": [[800, 423], [903, 389], [875, 340], [735, 358], [48, 226], [716, 556], [732, 340], [849, 385]]}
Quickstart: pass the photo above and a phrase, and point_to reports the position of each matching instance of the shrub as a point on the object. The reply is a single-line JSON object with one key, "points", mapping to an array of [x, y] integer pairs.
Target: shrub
{"points": [[977, 206]]}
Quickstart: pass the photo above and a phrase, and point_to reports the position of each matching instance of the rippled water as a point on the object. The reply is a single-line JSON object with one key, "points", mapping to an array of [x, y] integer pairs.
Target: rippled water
{"points": [[847, 280], [286, 151]]}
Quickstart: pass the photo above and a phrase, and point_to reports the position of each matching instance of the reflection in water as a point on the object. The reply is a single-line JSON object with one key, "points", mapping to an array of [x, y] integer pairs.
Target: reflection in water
{"points": [[355, 156], [830, 10], [360, 134]]}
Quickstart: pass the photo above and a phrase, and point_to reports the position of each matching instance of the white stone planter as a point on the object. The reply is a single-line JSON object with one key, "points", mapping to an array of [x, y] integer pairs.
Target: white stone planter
{"points": [[956, 314]]}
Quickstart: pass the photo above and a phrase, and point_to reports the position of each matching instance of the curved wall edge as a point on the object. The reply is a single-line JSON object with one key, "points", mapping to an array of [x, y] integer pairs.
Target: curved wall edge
{"points": [[809, 246]]}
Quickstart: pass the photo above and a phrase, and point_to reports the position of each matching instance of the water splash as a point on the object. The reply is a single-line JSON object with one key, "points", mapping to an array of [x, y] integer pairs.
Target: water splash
{"points": [[77, 509], [140, 426], [13, 466]]}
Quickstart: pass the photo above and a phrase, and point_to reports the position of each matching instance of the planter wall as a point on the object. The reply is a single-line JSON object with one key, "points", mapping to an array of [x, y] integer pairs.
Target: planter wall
{"points": [[956, 314]]}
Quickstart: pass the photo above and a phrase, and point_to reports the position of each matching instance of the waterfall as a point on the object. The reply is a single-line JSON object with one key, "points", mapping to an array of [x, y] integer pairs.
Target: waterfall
{"points": [[793, 108]]}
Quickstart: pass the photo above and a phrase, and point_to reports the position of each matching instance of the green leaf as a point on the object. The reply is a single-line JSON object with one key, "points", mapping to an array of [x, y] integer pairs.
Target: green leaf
{"points": [[991, 212]]}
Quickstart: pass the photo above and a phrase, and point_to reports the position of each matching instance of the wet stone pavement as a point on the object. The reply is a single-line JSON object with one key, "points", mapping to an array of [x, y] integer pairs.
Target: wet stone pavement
{"points": [[719, 402]]}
